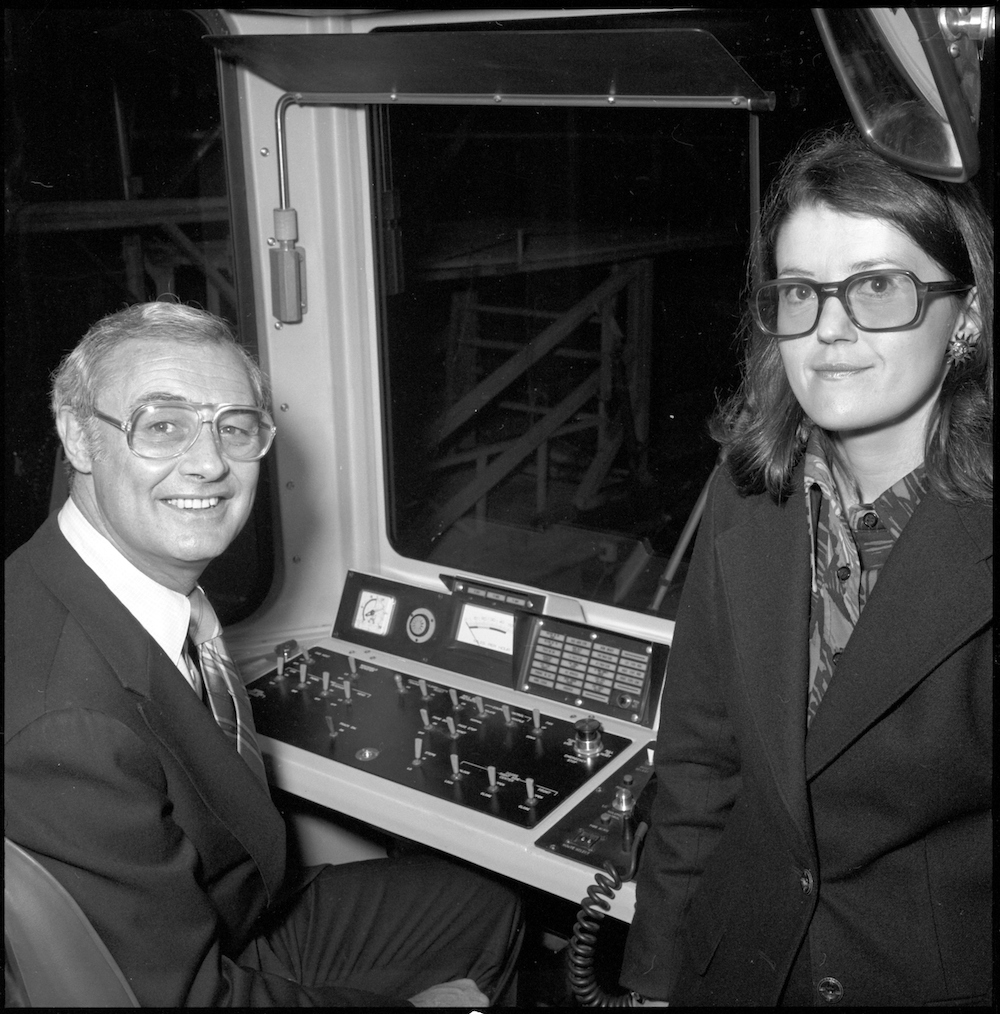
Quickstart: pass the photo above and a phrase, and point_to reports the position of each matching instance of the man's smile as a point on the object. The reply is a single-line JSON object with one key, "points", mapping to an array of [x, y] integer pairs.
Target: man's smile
{"points": [[193, 503]]}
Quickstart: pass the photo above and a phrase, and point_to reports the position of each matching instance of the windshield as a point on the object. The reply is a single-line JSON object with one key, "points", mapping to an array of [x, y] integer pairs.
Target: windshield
{"points": [[560, 295]]}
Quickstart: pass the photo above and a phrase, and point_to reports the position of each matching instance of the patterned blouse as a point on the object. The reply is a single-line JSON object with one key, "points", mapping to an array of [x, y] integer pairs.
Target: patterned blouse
{"points": [[850, 545]]}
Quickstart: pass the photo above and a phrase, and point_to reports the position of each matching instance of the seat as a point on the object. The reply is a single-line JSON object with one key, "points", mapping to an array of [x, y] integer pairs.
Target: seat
{"points": [[53, 957]]}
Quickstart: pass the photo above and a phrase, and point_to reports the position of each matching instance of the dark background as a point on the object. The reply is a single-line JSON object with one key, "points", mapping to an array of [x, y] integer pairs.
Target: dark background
{"points": [[62, 71]]}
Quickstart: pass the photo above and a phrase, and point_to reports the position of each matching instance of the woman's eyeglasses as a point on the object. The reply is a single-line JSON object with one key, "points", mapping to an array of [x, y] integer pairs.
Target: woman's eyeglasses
{"points": [[874, 301]]}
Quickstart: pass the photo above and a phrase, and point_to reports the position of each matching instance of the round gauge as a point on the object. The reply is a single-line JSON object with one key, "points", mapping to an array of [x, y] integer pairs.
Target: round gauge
{"points": [[374, 612], [420, 625]]}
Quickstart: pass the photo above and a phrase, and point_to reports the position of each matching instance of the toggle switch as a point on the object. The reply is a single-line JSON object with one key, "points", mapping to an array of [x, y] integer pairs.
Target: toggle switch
{"points": [[425, 718], [331, 726], [491, 774], [347, 691], [529, 785], [423, 688], [399, 682], [480, 707], [451, 727], [418, 749], [353, 663], [454, 699], [326, 683], [506, 714], [281, 665], [536, 718], [302, 672], [455, 772]]}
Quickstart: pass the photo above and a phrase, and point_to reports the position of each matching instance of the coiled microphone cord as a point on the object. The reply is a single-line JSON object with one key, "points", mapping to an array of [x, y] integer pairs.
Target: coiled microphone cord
{"points": [[582, 946]]}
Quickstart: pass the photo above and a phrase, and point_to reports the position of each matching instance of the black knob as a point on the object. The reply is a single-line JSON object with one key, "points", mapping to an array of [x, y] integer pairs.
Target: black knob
{"points": [[588, 738]]}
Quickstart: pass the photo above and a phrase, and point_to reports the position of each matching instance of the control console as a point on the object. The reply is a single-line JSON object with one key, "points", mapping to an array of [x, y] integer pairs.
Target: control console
{"points": [[510, 762], [470, 720]]}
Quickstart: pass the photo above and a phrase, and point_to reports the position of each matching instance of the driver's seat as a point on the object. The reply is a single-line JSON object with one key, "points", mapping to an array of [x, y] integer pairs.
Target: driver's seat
{"points": [[53, 957]]}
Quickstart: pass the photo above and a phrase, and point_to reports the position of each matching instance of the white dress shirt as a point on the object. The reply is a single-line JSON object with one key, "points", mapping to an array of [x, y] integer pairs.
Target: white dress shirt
{"points": [[163, 613]]}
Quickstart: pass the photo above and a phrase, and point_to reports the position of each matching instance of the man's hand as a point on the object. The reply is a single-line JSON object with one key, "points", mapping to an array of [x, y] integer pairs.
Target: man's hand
{"points": [[460, 993]]}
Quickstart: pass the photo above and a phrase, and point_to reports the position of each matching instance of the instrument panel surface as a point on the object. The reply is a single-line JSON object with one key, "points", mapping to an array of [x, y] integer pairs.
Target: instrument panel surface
{"points": [[514, 764]]}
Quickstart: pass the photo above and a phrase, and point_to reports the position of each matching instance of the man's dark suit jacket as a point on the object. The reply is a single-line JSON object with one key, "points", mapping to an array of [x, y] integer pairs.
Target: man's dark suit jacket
{"points": [[120, 781], [861, 853]]}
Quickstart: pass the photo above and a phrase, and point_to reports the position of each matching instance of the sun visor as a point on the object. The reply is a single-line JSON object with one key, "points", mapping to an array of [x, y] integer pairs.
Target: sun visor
{"points": [[678, 68]]}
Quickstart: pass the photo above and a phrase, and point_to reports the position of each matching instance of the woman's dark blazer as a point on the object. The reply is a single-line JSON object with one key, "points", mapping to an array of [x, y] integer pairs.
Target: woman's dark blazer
{"points": [[855, 861]]}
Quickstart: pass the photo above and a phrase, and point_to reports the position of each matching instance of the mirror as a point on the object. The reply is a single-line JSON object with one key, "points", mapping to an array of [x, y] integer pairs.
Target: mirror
{"points": [[912, 79]]}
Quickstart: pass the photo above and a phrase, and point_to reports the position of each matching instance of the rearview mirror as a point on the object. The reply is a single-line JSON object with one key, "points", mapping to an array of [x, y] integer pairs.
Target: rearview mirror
{"points": [[911, 77]]}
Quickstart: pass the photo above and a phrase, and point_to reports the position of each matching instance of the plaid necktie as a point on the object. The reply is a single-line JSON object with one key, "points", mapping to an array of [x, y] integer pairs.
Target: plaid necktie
{"points": [[226, 693]]}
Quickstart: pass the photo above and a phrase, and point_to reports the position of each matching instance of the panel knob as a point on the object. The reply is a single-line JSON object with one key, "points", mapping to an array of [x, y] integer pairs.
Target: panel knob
{"points": [[588, 738]]}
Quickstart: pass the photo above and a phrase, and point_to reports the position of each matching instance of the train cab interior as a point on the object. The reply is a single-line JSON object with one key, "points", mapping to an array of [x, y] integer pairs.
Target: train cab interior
{"points": [[493, 261]]}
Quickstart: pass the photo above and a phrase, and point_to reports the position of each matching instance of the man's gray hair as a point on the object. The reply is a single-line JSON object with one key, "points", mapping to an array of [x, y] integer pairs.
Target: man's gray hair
{"points": [[80, 377]]}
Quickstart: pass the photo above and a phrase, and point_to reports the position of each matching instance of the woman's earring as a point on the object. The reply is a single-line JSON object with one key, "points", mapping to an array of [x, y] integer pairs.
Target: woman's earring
{"points": [[961, 347]]}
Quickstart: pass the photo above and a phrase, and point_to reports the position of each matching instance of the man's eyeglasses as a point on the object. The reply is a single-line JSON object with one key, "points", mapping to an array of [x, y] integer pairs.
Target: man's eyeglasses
{"points": [[169, 429], [874, 301]]}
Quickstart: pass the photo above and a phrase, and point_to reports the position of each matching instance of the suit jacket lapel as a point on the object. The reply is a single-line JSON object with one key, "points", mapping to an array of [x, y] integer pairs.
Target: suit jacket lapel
{"points": [[223, 780], [934, 593], [766, 575], [118, 635], [172, 712]]}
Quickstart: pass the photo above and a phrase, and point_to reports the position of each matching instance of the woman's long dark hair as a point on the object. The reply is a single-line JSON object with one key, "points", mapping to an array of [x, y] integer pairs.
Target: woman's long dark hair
{"points": [[762, 429]]}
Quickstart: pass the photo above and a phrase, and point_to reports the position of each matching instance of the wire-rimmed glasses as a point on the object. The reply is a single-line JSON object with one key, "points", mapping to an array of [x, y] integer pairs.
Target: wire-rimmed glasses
{"points": [[874, 301], [168, 429]]}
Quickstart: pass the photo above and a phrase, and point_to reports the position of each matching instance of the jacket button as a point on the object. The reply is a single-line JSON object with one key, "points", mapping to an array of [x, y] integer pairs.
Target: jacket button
{"points": [[806, 880], [830, 989]]}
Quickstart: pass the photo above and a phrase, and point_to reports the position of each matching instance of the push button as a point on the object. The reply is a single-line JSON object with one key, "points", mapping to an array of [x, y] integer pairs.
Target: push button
{"points": [[870, 520], [830, 989], [807, 882], [843, 573]]}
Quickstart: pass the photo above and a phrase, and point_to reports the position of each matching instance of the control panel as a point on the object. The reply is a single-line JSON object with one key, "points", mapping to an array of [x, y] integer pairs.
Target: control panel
{"points": [[499, 635], [604, 825], [514, 764], [469, 720]]}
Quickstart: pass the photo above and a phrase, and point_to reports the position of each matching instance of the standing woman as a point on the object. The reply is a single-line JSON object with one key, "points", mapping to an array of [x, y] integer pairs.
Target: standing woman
{"points": [[822, 832]]}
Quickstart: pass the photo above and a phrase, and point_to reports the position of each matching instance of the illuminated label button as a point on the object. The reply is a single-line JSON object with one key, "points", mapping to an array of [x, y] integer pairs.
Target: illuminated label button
{"points": [[569, 681], [634, 654], [578, 641], [569, 666], [628, 682], [554, 652], [610, 649], [576, 651], [595, 696], [600, 681], [633, 663], [596, 663], [541, 680]]}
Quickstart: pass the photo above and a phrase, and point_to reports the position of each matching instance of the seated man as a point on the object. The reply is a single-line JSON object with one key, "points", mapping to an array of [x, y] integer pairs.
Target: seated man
{"points": [[132, 770]]}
